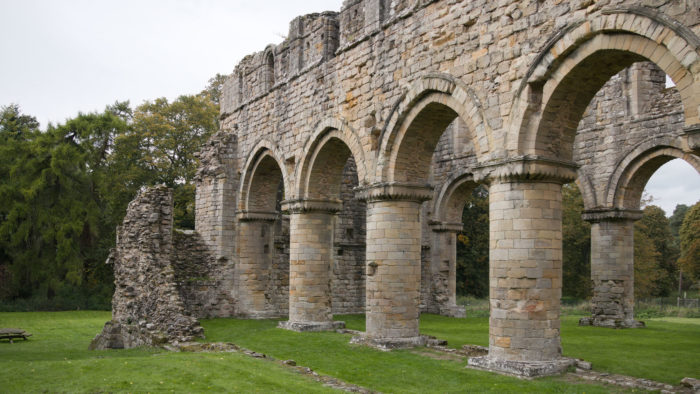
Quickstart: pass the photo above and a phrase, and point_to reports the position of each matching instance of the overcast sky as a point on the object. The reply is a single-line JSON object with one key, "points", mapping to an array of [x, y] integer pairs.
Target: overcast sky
{"points": [[64, 57]]}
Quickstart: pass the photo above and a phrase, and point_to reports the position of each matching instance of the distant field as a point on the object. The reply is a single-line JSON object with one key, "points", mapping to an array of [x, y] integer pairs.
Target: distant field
{"points": [[56, 358]]}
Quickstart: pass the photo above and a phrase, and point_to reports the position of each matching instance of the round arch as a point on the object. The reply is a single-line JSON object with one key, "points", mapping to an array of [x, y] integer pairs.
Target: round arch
{"points": [[434, 98], [329, 147], [450, 199], [626, 185], [262, 172], [551, 98]]}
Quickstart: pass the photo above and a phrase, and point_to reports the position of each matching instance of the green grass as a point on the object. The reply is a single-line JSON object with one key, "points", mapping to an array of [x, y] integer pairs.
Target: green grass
{"points": [[396, 371], [56, 359], [666, 350]]}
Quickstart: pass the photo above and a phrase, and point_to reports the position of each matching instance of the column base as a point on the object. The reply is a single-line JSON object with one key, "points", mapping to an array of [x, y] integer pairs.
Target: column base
{"points": [[387, 344], [259, 315], [522, 369], [610, 322], [453, 311], [311, 326]]}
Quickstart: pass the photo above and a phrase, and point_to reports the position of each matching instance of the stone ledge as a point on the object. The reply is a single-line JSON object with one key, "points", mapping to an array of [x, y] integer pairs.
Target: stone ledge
{"points": [[257, 216], [522, 369], [610, 322], [439, 227], [311, 326], [608, 214]]}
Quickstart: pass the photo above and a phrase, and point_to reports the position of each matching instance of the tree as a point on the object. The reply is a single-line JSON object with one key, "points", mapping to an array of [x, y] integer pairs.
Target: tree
{"points": [[53, 218], [654, 231], [576, 245], [166, 137], [473, 246], [675, 221], [689, 260]]}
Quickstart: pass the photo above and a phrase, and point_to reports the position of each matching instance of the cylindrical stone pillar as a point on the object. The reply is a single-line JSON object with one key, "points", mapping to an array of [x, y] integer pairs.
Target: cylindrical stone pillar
{"points": [[612, 268], [443, 260], [252, 272], [311, 232], [393, 265], [525, 270]]}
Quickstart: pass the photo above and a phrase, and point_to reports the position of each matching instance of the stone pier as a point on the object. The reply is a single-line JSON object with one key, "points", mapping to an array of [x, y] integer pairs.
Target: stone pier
{"points": [[612, 268], [311, 230], [393, 264], [253, 271], [525, 257], [444, 267]]}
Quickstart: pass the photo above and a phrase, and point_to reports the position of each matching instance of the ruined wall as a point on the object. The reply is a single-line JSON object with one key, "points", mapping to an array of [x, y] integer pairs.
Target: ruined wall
{"points": [[147, 306]]}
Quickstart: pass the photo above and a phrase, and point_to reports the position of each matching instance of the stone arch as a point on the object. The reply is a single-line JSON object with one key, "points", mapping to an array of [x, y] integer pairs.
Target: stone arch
{"points": [[433, 102], [552, 99], [331, 144], [632, 173], [451, 197], [263, 172]]}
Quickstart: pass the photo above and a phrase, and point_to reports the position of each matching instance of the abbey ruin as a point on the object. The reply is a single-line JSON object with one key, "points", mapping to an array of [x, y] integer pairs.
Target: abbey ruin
{"points": [[347, 152]]}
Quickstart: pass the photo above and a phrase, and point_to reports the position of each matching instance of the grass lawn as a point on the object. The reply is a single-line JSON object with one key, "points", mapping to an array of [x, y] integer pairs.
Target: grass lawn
{"points": [[56, 358]]}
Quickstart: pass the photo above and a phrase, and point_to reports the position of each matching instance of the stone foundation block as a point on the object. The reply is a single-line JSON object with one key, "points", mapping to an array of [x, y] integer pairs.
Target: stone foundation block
{"points": [[610, 323], [387, 344], [522, 369], [311, 326]]}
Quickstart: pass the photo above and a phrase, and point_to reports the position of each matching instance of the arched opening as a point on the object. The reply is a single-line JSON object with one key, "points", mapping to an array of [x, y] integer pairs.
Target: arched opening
{"points": [[269, 70], [262, 272], [330, 174]]}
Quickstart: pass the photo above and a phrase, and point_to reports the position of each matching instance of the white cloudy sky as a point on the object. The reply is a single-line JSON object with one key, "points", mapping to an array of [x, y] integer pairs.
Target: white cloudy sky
{"points": [[62, 57]]}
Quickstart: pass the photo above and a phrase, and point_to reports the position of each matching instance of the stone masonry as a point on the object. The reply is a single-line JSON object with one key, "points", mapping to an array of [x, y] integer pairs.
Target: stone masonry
{"points": [[357, 139], [147, 307]]}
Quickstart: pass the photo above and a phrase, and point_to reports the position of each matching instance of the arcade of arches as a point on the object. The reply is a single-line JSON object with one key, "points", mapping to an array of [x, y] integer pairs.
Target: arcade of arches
{"points": [[347, 152]]}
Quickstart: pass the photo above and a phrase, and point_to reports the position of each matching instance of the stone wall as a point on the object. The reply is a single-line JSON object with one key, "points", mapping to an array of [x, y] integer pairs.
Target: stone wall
{"points": [[147, 306]]}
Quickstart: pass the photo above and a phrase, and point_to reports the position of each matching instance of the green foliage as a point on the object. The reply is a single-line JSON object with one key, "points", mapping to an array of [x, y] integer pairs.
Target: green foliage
{"points": [[576, 245], [655, 254], [473, 246], [63, 191], [690, 243]]}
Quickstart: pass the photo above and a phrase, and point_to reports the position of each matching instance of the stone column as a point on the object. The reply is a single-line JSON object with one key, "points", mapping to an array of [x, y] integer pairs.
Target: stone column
{"points": [[311, 233], [612, 268], [393, 264], [525, 273], [443, 267], [252, 273]]}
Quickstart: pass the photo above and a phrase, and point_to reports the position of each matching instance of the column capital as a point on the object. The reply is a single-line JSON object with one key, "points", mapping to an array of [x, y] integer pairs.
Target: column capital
{"points": [[442, 227], [401, 191], [691, 137], [303, 205], [611, 214], [527, 168], [256, 216]]}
